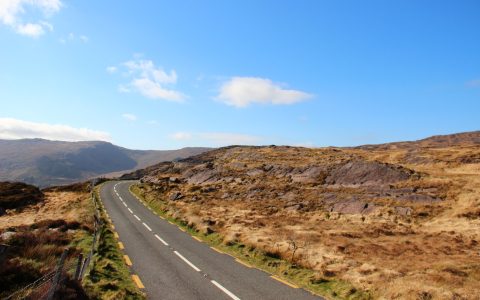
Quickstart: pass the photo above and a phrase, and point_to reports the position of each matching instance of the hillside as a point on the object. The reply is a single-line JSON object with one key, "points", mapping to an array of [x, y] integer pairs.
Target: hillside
{"points": [[398, 221], [45, 163]]}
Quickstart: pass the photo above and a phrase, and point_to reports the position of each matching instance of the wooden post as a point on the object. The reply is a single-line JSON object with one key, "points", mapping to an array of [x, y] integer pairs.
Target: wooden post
{"points": [[58, 273], [79, 267], [85, 263]]}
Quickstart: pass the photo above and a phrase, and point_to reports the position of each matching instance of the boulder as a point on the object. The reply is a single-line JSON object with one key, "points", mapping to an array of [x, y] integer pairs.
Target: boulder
{"points": [[403, 211], [255, 172], [310, 175], [206, 176], [176, 196]]}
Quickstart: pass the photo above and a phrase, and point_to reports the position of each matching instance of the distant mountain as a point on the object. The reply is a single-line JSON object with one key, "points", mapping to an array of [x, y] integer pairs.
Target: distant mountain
{"points": [[436, 141], [46, 163]]}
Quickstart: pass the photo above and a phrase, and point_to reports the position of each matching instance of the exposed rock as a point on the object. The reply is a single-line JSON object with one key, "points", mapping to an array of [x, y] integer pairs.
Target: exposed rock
{"points": [[6, 235], [255, 172], [206, 176], [310, 175], [267, 168], [367, 173], [174, 180], [208, 189], [176, 196], [403, 211], [295, 207]]}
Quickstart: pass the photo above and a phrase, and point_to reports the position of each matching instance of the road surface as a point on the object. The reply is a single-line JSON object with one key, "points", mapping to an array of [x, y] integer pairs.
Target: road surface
{"points": [[172, 265]]}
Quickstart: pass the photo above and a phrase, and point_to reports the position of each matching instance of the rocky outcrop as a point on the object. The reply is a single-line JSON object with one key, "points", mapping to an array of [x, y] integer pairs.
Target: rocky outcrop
{"points": [[367, 173]]}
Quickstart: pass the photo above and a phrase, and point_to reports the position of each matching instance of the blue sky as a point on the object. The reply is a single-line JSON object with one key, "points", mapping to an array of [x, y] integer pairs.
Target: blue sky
{"points": [[169, 74]]}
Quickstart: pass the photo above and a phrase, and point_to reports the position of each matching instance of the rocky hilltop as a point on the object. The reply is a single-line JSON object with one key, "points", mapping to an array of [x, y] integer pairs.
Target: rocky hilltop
{"points": [[291, 178], [399, 221]]}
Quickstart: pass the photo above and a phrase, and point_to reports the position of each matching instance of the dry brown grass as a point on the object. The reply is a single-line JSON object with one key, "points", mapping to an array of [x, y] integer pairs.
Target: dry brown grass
{"points": [[433, 253], [68, 206]]}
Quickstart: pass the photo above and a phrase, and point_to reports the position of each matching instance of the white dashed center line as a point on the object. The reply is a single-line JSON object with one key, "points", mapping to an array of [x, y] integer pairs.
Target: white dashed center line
{"points": [[218, 285], [146, 226], [161, 240], [230, 294], [187, 261]]}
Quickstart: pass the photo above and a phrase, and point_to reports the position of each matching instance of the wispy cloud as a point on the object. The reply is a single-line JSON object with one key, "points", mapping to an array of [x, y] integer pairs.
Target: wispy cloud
{"points": [[473, 83], [149, 80], [243, 91], [129, 117], [111, 69], [181, 136], [18, 129], [12, 14], [217, 138], [72, 37]]}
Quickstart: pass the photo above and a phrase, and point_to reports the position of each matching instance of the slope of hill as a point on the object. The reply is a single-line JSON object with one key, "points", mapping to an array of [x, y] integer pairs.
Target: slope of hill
{"points": [[45, 163], [437, 141], [396, 222]]}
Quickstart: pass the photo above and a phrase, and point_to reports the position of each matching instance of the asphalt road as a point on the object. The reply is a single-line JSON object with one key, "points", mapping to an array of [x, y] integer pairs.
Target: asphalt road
{"points": [[173, 265]]}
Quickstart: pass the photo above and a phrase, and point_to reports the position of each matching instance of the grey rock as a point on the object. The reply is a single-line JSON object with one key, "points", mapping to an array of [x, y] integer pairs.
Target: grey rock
{"points": [[403, 211], [176, 196]]}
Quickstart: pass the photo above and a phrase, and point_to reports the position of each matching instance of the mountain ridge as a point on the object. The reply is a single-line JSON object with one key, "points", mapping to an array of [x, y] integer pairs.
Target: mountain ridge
{"points": [[45, 163]]}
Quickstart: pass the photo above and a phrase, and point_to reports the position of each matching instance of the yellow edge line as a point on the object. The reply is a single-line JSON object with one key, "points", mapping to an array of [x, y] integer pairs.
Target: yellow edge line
{"points": [[284, 282], [120, 245], [112, 226], [138, 282], [127, 260], [182, 229], [219, 251], [116, 235], [243, 263], [197, 238]]}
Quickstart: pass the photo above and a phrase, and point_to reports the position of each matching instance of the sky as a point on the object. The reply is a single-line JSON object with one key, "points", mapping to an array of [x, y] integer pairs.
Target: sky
{"points": [[171, 74]]}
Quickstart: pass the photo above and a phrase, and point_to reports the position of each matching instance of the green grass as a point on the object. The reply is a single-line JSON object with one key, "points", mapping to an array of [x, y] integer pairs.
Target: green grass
{"points": [[308, 279], [109, 277]]}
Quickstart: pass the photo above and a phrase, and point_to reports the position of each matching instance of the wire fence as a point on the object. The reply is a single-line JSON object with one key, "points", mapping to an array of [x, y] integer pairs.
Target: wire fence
{"points": [[67, 269]]}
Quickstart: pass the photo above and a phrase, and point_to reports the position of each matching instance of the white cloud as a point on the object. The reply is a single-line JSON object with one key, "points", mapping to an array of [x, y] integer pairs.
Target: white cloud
{"points": [[150, 81], [30, 29], [217, 138], [129, 117], [243, 91], [11, 12], [154, 90], [111, 69], [18, 129], [72, 38], [181, 136]]}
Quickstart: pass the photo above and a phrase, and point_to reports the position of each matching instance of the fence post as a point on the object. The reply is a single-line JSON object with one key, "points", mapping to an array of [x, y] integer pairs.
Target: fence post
{"points": [[58, 273], [79, 266]]}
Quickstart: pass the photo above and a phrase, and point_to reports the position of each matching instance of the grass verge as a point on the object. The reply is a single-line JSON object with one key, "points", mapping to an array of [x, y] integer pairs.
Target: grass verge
{"points": [[109, 277], [308, 279]]}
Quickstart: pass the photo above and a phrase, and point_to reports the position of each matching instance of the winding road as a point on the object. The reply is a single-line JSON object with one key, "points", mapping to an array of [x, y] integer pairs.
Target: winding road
{"points": [[170, 264]]}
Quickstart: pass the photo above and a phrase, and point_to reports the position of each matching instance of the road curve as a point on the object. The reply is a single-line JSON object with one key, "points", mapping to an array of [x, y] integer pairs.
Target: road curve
{"points": [[173, 265]]}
